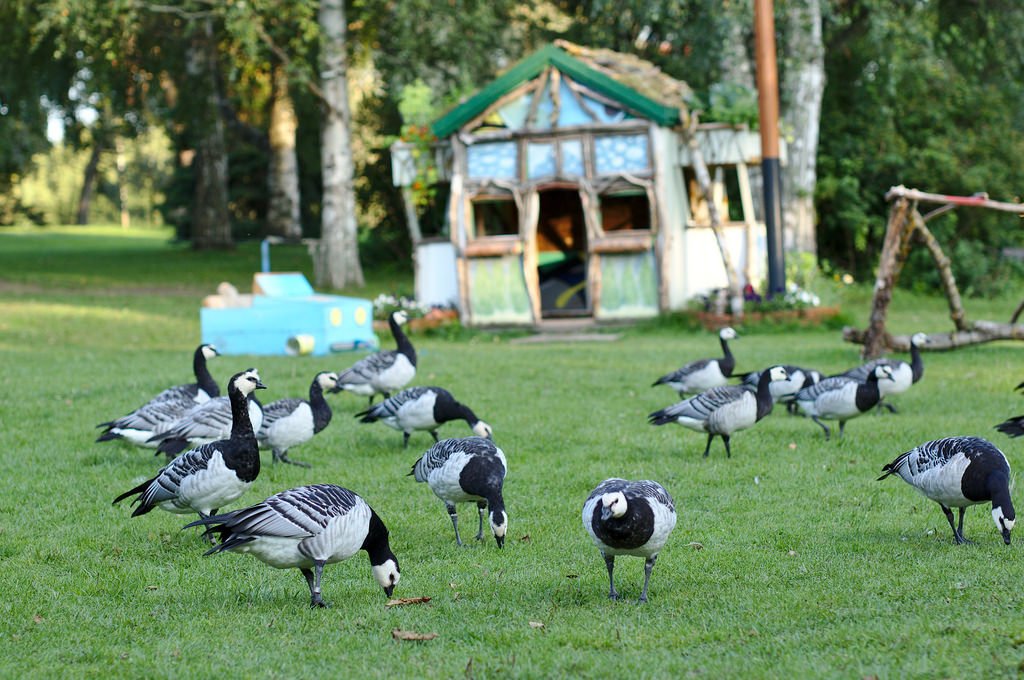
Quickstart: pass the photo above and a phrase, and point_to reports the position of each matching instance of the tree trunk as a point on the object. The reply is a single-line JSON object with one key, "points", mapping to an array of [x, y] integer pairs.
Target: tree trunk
{"points": [[211, 225], [802, 94], [283, 176], [339, 250], [122, 184], [89, 183]]}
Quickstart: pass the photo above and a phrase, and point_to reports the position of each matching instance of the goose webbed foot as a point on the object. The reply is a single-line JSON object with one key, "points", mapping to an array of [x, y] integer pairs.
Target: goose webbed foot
{"points": [[283, 457]]}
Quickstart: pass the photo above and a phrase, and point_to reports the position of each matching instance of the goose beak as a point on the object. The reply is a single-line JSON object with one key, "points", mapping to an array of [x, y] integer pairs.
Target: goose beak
{"points": [[388, 590], [1006, 536], [606, 514], [500, 540], [260, 385]]}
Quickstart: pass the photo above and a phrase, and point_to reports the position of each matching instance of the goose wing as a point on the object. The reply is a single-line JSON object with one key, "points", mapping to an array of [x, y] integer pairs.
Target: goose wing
{"points": [[679, 374], [296, 513], [701, 406], [209, 420], [939, 453], [438, 455], [363, 371], [276, 410], [168, 482], [389, 407]]}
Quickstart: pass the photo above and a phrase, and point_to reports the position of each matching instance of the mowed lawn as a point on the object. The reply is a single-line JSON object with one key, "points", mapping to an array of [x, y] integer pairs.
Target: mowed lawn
{"points": [[788, 560]]}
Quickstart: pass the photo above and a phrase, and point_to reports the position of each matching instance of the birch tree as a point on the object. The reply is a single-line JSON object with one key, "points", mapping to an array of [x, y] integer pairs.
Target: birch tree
{"points": [[339, 251], [802, 91], [283, 175]]}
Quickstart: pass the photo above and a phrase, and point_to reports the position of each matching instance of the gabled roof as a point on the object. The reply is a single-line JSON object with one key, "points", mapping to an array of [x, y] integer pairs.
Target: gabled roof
{"points": [[600, 75]]}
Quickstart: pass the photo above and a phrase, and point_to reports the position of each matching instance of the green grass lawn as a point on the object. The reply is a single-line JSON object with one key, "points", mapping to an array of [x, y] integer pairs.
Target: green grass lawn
{"points": [[808, 567]]}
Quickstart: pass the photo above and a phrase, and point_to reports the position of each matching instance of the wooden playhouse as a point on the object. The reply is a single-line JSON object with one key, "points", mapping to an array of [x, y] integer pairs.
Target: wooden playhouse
{"points": [[571, 195]]}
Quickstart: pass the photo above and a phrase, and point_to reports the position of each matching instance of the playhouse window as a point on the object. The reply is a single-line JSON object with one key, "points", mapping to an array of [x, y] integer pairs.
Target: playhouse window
{"points": [[627, 211], [616, 154], [495, 217]]}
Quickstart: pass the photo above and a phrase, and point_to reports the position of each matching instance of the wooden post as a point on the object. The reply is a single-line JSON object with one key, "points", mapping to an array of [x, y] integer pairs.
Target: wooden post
{"points": [[874, 337], [943, 263]]}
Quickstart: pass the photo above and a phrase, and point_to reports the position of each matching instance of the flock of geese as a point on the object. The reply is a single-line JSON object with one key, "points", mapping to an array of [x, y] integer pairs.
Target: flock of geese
{"points": [[214, 442]]}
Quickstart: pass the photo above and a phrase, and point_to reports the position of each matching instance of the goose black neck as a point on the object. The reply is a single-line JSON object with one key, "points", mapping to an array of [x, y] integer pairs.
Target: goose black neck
{"points": [[203, 378], [916, 362], [867, 393], [727, 362], [495, 503], [764, 395], [466, 413], [241, 426], [319, 406], [404, 345], [376, 542]]}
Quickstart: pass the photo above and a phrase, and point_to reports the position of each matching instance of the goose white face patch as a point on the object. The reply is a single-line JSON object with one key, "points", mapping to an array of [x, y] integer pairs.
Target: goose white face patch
{"points": [[727, 334], [209, 351], [499, 524], [615, 502], [1001, 521], [482, 429], [387, 574]]}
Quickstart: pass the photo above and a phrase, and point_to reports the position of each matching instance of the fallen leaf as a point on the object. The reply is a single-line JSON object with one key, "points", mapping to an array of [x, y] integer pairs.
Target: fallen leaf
{"points": [[37, 618], [792, 446], [536, 624], [792, 553], [152, 587], [399, 601], [572, 575], [400, 634], [695, 545], [525, 539]]}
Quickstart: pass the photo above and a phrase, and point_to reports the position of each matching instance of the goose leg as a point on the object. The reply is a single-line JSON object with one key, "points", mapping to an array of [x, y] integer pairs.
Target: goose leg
{"points": [[958, 537], [887, 405], [282, 456], [959, 528], [433, 433], [648, 568], [707, 448], [828, 432], [454, 515], [728, 452], [405, 440], [842, 426], [313, 580], [609, 561], [480, 506]]}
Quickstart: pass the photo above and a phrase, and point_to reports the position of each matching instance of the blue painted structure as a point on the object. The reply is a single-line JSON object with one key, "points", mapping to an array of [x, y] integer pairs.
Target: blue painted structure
{"points": [[286, 316]]}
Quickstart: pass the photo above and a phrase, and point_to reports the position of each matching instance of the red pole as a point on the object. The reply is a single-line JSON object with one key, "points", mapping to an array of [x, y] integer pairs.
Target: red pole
{"points": [[768, 109]]}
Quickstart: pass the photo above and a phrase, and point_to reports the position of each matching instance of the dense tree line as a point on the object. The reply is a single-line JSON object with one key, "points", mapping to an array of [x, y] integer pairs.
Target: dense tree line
{"points": [[927, 93]]}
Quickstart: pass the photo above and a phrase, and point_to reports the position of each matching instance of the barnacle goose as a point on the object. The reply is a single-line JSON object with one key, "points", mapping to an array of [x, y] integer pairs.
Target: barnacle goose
{"points": [[163, 409], [903, 374], [703, 374], [784, 391], [423, 408], [842, 398], [956, 472], [290, 422], [384, 371], [207, 422], [629, 518], [467, 470], [722, 410], [208, 477], [306, 528]]}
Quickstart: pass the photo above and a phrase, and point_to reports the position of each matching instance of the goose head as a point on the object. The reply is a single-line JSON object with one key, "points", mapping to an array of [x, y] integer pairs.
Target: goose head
{"points": [[499, 526], [247, 381], [727, 333], [387, 574], [482, 429], [883, 372], [209, 351], [918, 340], [400, 316], [327, 380], [1003, 513], [613, 504], [777, 373]]}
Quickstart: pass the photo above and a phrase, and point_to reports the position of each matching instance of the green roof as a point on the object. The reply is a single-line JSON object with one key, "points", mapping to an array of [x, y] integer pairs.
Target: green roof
{"points": [[531, 67]]}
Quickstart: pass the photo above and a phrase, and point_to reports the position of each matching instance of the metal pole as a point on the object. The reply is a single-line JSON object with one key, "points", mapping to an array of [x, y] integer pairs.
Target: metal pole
{"points": [[768, 108]]}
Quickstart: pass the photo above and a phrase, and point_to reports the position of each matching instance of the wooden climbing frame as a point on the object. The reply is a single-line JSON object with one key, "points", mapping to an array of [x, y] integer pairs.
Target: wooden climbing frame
{"points": [[904, 222]]}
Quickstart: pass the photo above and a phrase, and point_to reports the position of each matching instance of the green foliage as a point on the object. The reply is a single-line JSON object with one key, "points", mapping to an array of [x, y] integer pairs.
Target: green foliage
{"points": [[788, 559], [921, 95], [730, 103]]}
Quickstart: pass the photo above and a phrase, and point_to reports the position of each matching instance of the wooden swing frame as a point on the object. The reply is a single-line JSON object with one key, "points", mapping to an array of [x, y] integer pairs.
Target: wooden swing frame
{"points": [[904, 222]]}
